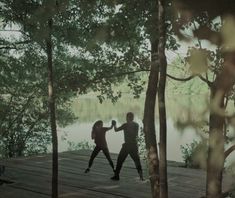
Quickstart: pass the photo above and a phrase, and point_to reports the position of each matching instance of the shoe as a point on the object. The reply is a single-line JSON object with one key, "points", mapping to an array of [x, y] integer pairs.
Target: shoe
{"points": [[141, 175], [87, 170], [115, 177], [141, 178]]}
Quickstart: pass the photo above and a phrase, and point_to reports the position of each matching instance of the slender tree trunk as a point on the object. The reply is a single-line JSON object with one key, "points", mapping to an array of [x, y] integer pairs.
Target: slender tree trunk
{"points": [[161, 100], [149, 123], [51, 98], [215, 162]]}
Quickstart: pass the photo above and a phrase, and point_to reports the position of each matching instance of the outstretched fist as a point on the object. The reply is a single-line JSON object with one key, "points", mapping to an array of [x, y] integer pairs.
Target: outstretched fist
{"points": [[113, 122]]}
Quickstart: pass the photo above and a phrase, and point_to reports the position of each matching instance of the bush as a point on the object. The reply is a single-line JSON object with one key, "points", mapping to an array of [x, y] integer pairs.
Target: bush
{"points": [[83, 145], [195, 154]]}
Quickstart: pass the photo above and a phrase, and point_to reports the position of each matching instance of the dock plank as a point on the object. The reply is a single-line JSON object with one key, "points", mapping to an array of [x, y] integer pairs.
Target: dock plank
{"points": [[32, 178]]}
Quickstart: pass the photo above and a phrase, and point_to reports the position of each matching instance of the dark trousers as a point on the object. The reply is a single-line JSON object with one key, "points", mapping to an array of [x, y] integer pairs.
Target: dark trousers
{"points": [[95, 153], [132, 150]]}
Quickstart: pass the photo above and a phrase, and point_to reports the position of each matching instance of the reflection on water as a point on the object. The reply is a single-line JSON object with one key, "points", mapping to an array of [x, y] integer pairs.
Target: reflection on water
{"points": [[89, 110]]}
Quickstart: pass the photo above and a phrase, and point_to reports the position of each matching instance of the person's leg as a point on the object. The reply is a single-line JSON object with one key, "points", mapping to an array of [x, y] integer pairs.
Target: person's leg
{"points": [[93, 155], [121, 158], [107, 155], [136, 158]]}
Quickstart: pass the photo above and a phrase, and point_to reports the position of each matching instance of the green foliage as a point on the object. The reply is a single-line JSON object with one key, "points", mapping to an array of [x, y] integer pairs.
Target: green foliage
{"points": [[142, 145], [142, 149], [24, 117], [83, 145], [84, 108], [195, 86], [92, 53], [195, 154]]}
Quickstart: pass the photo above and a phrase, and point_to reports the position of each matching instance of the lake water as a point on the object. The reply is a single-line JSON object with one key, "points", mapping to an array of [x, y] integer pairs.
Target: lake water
{"points": [[88, 110], [82, 131]]}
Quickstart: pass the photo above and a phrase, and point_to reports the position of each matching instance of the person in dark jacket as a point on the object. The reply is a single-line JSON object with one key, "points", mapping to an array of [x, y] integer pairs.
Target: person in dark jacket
{"points": [[130, 145], [98, 134]]}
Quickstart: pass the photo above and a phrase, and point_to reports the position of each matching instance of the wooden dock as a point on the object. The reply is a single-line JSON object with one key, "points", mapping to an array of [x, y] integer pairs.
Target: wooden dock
{"points": [[31, 178]]}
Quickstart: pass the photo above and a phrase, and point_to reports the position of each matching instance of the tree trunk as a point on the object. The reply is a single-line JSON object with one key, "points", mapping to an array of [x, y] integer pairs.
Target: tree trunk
{"points": [[149, 123], [215, 162], [51, 98], [161, 100]]}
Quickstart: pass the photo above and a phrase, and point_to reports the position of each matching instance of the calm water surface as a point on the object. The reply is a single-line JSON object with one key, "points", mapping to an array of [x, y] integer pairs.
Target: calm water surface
{"points": [[179, 108], [89, 110]]}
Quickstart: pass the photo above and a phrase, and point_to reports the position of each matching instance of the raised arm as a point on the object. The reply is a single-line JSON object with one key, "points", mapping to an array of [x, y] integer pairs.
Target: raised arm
{"points": [[108, 128], [116, 129]]}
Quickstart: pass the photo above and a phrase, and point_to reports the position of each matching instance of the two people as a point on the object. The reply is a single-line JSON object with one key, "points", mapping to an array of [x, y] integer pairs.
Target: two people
{"points": [[130, 146]]}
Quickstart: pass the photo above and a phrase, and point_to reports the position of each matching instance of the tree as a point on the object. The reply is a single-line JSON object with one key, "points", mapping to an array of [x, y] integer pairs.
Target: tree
{"points": [[161, 99], [52, 108], [149, 124], [41, 22], [132, 29], [119, 48], [33, 21], [23, 100], [221, 86]]}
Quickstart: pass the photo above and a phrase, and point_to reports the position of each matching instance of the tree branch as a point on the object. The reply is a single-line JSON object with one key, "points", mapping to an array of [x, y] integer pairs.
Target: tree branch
{"points": [[8, 45], [229, 151], [209, 83], [98, 79], [180, 79], [68, 76], [9, 48], [4, 115], [127, 73], [24, 107], [30, 129]]}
